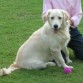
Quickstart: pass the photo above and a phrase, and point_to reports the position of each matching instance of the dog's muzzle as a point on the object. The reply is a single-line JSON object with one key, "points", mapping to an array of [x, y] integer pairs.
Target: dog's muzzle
{"points": [[55, 27]]}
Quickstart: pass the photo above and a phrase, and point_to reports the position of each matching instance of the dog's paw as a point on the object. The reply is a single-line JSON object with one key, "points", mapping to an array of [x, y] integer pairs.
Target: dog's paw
{"points": [[51, 64], [70, 67]]}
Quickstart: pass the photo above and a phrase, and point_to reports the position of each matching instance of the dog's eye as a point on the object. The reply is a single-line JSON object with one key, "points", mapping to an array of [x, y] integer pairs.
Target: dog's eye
{"points": [[52, 17], [59, 18]]}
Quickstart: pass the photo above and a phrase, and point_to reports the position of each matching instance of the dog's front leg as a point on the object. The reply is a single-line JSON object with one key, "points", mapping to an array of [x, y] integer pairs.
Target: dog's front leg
{"points": [[59, 59], [65, 50]]}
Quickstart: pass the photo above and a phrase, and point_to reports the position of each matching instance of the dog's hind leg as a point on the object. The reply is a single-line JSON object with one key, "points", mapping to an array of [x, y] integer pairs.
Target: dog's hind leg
{"points": [[40, 65], [5, 71], [34, 65]]}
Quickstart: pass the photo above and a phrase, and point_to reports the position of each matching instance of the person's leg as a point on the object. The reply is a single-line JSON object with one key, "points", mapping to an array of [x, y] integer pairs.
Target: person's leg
{"points": [[76, 43]]}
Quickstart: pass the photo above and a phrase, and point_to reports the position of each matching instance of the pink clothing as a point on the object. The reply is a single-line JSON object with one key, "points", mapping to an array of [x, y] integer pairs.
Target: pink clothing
{"points": [[73, 7]]}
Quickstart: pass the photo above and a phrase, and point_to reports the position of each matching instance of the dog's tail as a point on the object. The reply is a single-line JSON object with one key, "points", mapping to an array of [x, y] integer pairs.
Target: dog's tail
{"points": [[6, 71]]}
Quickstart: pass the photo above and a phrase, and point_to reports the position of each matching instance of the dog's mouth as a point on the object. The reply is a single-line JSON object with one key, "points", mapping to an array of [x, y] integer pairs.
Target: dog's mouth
{"points": [[55, 30]]}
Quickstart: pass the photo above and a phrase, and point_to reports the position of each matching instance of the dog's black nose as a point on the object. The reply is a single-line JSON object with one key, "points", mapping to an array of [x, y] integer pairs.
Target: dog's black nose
{"points": [[55, 26]]}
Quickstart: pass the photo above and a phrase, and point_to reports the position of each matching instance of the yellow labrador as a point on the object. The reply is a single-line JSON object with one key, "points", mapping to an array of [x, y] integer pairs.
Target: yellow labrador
{"points": [[45, 44]]}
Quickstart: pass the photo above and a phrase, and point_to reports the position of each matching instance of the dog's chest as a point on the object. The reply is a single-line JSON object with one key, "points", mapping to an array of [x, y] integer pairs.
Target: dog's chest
{"points": [[59, 39]]}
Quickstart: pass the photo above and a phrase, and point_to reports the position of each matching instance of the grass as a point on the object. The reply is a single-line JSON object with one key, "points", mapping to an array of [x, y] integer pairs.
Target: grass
{"points": [[18, 20]]}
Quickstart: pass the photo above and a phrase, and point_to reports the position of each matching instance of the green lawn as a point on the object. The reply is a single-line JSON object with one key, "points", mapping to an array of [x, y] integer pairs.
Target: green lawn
{"points": [[18, 20]]}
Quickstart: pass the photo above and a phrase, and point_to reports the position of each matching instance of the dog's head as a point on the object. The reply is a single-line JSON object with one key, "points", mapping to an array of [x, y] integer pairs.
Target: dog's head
{"points": [[57, 18]]}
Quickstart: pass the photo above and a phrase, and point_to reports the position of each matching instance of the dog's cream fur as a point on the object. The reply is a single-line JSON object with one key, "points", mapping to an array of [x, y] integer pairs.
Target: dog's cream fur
{"points": [[45, 44]]}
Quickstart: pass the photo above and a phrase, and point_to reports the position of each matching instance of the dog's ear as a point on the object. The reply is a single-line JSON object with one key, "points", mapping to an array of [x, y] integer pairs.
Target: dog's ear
{"points": [[66, 17], [46, 15]]}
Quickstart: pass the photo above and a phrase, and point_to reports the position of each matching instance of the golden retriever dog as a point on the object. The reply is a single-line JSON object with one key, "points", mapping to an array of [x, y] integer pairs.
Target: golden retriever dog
{"points": [[45, 44]]}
